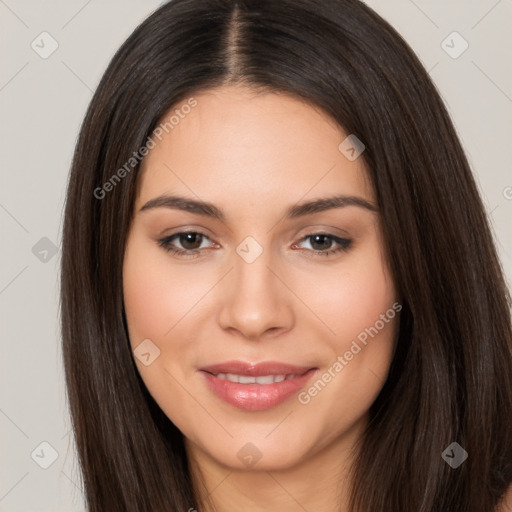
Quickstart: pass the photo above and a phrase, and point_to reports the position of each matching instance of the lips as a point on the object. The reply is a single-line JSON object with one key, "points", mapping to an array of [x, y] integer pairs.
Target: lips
{"points": [[256, 370], [255, 387]]}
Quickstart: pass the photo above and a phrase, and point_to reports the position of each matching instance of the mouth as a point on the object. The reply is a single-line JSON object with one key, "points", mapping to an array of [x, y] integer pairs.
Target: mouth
{"points": [[256, 387], [245, 379]]}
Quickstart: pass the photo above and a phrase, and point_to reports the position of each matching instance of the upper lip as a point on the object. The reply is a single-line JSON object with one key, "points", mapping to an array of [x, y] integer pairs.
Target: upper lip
{"points": [[256, 369]]}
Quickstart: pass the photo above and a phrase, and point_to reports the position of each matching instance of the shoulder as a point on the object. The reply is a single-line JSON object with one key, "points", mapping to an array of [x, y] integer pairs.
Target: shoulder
{"points": [[506, 503]]}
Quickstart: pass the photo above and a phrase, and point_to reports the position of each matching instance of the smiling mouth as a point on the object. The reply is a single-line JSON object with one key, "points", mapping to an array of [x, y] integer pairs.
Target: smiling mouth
{"points": [[256, 387], [247, 379], [240, 368]]}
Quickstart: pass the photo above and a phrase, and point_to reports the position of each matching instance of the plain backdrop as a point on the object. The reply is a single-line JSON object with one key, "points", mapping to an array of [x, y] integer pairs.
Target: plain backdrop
{"points": [[43, 98]]}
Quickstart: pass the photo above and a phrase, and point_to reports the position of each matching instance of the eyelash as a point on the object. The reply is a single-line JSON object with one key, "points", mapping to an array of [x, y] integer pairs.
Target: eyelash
{"points": [[343, 243]]}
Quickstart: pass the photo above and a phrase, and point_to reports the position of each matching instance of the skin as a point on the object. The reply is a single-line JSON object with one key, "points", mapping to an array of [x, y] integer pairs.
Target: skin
{"points": [[253, 156]]}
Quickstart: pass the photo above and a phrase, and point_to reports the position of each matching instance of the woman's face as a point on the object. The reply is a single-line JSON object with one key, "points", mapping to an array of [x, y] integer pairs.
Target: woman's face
{"points": [[262, 289]]}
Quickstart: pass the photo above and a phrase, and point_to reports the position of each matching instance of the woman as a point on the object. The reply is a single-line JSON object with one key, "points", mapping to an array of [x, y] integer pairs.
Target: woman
{"points": [[279, 286]]}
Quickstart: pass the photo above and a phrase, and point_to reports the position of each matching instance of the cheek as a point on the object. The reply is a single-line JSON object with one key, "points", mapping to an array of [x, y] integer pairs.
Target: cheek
{"points": [[157, 295], [144, 297], [354, 301], [157, 300], [363, 313]]}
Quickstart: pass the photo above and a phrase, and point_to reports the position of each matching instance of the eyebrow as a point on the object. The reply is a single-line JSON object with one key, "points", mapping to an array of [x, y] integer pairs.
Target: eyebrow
{"points": [[295, 211]]}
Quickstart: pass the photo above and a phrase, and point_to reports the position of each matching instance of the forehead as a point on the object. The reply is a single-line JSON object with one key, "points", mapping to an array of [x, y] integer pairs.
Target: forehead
{"points": [[236, 143]]}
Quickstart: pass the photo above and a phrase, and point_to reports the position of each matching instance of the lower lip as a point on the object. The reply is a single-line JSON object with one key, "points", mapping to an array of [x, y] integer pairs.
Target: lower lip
{"points": [[256, 397]]}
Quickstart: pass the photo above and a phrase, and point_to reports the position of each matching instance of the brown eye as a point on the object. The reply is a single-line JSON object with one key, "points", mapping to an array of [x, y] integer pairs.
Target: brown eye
{"points": [[190, 242], [321, 243]]}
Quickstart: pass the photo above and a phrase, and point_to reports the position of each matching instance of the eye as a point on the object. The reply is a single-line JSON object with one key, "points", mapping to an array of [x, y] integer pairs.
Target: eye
{"points": [[189, 240], [324, 242], [191, 243]]}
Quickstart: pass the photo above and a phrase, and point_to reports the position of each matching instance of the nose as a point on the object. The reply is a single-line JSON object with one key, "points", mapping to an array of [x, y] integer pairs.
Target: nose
{"points": [[256, 300]]}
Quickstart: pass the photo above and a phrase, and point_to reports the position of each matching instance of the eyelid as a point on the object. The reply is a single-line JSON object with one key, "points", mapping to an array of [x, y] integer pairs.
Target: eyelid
{"points": [[167, 238], [325, 229], [343, 244], [185, 228]]}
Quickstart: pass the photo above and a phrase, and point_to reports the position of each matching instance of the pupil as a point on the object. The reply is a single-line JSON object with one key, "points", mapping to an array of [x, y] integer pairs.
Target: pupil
{"points": [[325, 238], [188, 238]]}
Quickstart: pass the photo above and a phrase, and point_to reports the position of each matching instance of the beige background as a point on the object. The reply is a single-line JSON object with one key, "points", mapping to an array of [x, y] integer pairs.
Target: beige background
{"points": [[42, 104]]}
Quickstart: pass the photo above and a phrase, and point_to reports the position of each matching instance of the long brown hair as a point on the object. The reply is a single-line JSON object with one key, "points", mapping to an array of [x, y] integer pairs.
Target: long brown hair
{"points": [[451, 377]]}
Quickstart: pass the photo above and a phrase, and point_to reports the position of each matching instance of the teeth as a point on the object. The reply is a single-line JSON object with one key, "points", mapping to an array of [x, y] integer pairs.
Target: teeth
{"points": [[246, 379], [243, 379], [266, 379]]}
